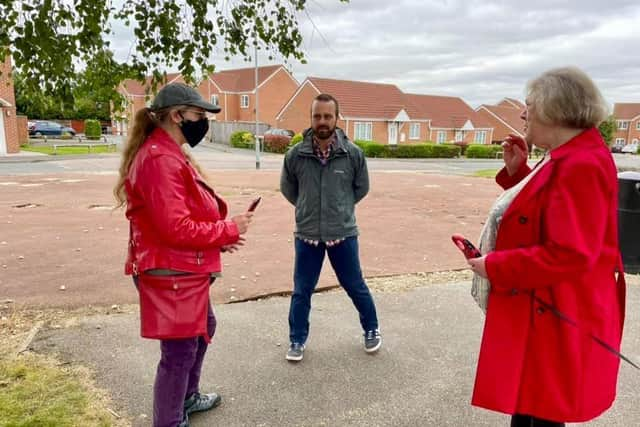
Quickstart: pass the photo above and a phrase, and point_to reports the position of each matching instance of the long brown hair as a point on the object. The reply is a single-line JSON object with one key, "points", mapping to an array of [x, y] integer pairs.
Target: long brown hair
{"points": [[144, 122]]}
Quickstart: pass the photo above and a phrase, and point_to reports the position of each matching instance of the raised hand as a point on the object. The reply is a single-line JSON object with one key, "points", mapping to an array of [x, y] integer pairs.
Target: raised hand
{"points": [[515, 153]]}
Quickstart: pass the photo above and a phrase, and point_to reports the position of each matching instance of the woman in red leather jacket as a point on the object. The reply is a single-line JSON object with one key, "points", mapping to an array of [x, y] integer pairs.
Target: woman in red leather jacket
{"points": [[178, 230]]}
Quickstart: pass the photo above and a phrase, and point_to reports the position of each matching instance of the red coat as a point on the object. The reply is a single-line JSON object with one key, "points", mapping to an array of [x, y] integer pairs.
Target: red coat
{"points": [[559, 240], [177, 220]]}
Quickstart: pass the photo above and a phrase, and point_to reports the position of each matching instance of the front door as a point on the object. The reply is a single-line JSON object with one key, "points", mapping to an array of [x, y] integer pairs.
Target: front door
{"points": [[393, 133]]}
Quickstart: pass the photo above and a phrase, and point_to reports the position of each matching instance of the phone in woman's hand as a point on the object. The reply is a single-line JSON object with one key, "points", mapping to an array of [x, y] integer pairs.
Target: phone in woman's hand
{"points": [[465, 246], [254, 204]]}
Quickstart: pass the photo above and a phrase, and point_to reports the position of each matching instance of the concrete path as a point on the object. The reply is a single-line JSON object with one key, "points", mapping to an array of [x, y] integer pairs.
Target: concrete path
{"points": [[423, 375]]}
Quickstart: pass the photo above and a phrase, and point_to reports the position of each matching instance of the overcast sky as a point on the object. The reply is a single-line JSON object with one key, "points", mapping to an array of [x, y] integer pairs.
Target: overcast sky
{"points": [[479, 50]]}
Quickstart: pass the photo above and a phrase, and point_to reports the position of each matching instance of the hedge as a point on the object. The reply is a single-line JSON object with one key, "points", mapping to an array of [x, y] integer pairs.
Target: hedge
{"points": [[242, 139], [479, 151], [276, 143], [92, 129], [414, 151]]}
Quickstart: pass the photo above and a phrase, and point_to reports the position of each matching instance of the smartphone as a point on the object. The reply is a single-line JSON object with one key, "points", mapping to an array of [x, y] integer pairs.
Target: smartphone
{"points": [[254, 204], [465, 246]]}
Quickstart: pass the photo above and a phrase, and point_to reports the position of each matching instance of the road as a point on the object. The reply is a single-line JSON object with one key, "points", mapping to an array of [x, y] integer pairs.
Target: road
{"points": [[225, 158], [219, 157]]}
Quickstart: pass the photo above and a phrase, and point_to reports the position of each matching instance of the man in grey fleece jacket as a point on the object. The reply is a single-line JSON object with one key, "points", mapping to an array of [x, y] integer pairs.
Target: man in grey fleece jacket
{"points": [[324, 176]]}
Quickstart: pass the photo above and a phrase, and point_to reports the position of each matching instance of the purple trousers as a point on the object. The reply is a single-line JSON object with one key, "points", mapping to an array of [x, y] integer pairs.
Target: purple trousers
{"points": [[178, 375]]}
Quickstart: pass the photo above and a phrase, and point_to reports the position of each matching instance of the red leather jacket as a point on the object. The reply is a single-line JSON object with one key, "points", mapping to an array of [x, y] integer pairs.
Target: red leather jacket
{"points": [[177, 221]]}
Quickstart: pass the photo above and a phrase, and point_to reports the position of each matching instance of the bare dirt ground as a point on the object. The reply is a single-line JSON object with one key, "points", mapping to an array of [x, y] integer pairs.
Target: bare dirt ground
{"points": [[62, 246]]}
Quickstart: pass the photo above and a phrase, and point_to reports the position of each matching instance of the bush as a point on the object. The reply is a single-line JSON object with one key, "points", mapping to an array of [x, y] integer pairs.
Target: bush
{"points": [[480, 151], [276, 143], [92, 129], [242, 139], [371, 148], [538, 152], [462, 144], [296, 138], [415, 151]]}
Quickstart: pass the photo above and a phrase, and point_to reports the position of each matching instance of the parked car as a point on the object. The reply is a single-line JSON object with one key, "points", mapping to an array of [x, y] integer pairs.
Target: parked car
{"points": [[282, 132], [630, 148], [617, 148], [49, 128]]}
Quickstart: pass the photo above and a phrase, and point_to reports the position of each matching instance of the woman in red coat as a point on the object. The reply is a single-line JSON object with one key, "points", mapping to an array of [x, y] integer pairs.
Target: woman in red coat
{"points": [[551, 244], [177, 231]]}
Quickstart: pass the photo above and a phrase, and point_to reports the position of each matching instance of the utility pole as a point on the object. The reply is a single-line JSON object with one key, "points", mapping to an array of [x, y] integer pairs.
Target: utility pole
{"points": [[257, 141]]}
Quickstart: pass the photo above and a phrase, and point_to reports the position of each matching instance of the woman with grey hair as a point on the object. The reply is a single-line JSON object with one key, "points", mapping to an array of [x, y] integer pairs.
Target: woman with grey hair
{"points": [[551, 279]]}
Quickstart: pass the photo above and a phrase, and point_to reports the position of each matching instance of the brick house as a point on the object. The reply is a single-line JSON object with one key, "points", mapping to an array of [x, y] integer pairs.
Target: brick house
{"points": [[446, 119], [368, 111], [9, 138], [511, 102], [504, 117], [627, 117], [136, 96], [383, 113], [235, 91]]}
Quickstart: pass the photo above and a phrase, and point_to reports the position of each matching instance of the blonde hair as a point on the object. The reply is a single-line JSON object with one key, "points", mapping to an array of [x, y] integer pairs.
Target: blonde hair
{"points": [[568, 97], [144, 122]]}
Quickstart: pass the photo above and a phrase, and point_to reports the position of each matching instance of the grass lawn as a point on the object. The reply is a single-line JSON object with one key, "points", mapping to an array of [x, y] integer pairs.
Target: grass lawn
{"points": [[486, 173], [36, 392], [66, 151]]}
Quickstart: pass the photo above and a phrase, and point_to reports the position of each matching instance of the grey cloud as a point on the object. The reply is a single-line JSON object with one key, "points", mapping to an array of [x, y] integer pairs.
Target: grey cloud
{"points": [[478, 50]]}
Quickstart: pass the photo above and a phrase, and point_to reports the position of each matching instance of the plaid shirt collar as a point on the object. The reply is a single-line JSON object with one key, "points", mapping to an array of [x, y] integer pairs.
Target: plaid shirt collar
{"points": [[323, 155]]}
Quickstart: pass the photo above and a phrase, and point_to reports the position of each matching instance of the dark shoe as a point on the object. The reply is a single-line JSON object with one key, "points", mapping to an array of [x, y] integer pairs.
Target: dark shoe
{"points": [[201, 402], [296, 352], [372, 341]]}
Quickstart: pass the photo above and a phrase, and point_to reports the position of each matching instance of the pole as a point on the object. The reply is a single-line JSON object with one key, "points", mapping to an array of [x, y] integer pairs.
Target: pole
{"points": [[257, 141]]}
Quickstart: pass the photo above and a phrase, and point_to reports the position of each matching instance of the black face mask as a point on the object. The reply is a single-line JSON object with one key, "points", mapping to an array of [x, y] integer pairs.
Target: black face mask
{"points": [[194, 131]]}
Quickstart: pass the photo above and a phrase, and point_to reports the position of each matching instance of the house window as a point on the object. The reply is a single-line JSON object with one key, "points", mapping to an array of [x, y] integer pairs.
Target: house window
{"points": [[363, 131], [459, 136], [619, 141], [638, 126], [214, 100], [442, 136], [622, 125], [414, 131], [481, 136], [244, 101]]}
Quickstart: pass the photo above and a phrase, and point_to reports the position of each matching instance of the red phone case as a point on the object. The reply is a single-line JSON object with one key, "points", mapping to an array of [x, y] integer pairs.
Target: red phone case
{"points": [[465, 246]]}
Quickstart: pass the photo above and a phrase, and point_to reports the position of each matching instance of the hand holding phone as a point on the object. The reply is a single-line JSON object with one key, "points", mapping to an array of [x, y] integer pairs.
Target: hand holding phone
{"points": [[465, 246], [254, 204]]}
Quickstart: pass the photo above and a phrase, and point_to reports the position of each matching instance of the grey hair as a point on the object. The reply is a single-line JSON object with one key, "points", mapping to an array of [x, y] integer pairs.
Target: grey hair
{"points": [[568, 97]]}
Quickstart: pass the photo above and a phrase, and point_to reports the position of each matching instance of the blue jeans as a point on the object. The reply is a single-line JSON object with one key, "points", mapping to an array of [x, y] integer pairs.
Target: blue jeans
{"points": [[345, 261]]}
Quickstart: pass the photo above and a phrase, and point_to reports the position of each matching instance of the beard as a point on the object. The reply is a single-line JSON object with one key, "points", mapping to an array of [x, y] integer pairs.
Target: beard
{"points": [[323, 132]]}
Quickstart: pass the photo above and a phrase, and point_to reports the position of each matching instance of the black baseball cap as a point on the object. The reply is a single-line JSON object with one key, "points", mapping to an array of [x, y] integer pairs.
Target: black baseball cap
{"points": [[181, 94]]}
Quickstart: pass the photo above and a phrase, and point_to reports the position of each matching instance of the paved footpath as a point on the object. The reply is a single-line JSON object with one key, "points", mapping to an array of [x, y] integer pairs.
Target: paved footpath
{"points": [[423, 375]]}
